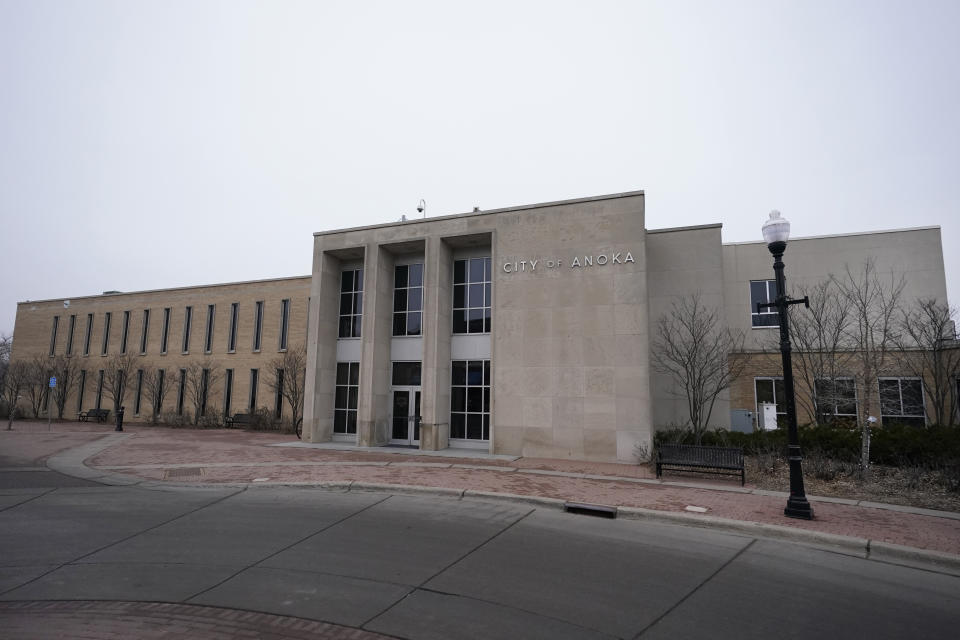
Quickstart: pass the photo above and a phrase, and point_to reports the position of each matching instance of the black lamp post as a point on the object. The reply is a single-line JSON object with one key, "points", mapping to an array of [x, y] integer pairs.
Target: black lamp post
{"points": [[776, 232]]}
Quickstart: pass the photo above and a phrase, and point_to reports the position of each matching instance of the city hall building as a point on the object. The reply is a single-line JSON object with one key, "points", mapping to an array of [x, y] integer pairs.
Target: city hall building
{"points": [[526, 330]]}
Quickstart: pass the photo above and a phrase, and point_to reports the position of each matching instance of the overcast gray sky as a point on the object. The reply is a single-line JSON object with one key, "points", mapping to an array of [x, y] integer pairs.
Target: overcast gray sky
{"points": [[155, 144]]}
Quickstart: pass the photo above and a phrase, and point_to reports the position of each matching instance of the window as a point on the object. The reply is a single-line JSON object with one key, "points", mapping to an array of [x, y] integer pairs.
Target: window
{"points": [[408, 300], [144, 327], [278, 400], [254, 378], [406, 374], [70, 328], [136, 400], [471, 295], [182, 390], [770, 390], [208, 338], [351, 303], [53, 335], [901, 401], [763, 291], [106, 334], [257, 325], [837, 397], [86, 337], [187, 317], [124, 331], [158, 401], [227, 391], [232, 335], [99, 389], [470, 400], [81, 387], [204, 387], [166, 330], [284, 322], [345, 401]]}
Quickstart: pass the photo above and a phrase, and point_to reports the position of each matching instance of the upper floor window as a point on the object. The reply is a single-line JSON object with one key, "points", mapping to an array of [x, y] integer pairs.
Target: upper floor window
{"points": [[471, 295], [87, 334], [106, 333], [125, 330], [187, 317], [351, 303], [284, 322], [166, 330], [763, 291], [70, 329], [208, 338], [53, 335], [257, 324], [408, 300], [232, 335], [144, 328], [901, 401]]}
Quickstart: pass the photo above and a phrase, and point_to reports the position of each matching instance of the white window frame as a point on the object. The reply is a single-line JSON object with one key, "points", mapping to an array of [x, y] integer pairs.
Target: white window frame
{"points": [[769, 311], [900, 379]]}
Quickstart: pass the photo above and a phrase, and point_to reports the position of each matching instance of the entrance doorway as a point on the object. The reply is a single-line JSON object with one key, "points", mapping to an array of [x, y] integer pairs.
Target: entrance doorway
{"points": [[405, 416]]}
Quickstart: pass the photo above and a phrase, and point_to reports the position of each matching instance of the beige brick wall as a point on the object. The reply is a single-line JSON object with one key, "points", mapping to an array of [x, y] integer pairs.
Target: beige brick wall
{"points": [[34, 322]]}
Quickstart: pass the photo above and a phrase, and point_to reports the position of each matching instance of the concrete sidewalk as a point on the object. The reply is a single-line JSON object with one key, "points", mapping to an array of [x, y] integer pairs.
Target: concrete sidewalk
{"points": [[154, 456]]}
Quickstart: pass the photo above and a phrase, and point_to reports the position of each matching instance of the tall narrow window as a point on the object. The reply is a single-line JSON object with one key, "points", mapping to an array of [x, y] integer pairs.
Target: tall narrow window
{"points": [[254, 378], [204, 387], [81, 387], [763, 291], [87, 334], [99, 389], [144, 328], [345, 399], [257, 324], [351, 303], [278, 401], [470, 400], [284, 322], [106, 333], [472, 295], [232, 335], [136, 399], [181, 392], [166, 330], [70, 330], [187, 317], [53, 335], [208, 339], [407, 300], [161, 391], [227, 391], [124, 332]]}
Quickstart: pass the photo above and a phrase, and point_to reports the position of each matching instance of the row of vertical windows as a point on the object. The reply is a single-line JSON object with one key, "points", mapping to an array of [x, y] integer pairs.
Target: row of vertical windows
{"points": [[351, 303], [165, 329], [346, 397], [472, 295], [408, 300]]}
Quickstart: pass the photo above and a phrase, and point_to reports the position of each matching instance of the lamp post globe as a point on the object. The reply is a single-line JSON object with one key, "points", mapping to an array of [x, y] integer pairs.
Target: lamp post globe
{"points": [[776, 232]]}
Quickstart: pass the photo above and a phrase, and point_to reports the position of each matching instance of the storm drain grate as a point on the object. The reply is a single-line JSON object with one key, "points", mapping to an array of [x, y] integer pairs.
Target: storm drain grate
{"points": [[596, 510], [184, 473]]}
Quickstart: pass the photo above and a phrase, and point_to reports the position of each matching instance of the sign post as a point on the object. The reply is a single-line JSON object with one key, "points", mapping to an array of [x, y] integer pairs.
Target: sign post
{"points": [[53, 385]]}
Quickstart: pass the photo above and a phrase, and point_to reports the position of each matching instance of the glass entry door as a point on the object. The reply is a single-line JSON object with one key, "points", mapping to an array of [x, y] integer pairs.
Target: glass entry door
{"points": [[405, 416]]}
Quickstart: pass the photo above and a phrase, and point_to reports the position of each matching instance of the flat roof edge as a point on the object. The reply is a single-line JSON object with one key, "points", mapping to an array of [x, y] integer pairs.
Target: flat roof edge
{"points": [[166, 289], [554, 203], [693, 227], [844, 235]]}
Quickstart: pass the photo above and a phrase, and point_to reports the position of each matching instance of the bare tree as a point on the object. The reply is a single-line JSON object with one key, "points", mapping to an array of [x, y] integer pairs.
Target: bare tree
{"points": [[821, 354], [200, 378], [14, 381], [927, 347], [116, 376], [65, 369], [157, 384], [287, 378], [694, 348], [874, 306], [35, 382]]}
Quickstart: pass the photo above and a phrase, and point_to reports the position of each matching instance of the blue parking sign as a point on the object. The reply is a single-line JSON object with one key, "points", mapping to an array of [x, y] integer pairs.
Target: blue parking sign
{"points": [[53, 382]]}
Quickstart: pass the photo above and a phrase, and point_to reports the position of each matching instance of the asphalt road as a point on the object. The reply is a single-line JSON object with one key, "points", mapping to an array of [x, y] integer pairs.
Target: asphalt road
{"points": [[439, 567]]}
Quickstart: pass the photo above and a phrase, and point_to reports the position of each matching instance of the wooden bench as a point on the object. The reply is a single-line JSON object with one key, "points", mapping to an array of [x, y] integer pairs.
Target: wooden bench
{"points": [[100, 415], [237, 419], [685, 457]]}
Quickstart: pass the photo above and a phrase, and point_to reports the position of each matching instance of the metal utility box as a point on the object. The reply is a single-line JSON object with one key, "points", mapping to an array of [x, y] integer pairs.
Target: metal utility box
{"points": [[741, 420]]}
